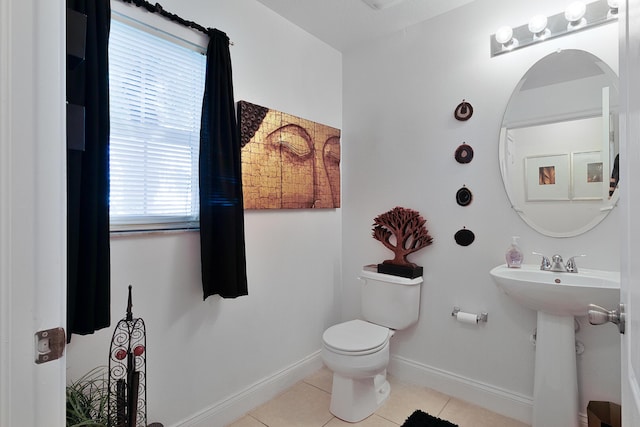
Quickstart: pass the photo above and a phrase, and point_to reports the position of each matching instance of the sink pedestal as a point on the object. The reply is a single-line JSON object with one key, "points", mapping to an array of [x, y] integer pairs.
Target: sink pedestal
{"points": [[555, 385]]}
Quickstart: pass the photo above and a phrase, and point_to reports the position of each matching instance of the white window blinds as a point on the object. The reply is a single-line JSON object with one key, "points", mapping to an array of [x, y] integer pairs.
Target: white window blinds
{"points": [[156, 89]]}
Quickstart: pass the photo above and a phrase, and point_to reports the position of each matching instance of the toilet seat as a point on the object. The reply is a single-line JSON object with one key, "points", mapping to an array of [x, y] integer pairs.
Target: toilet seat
{"points": [[356, 337]]}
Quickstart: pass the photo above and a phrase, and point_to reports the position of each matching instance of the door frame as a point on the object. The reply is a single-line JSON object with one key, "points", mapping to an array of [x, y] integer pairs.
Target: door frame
{"points": [[32, 208], [629, 43]]}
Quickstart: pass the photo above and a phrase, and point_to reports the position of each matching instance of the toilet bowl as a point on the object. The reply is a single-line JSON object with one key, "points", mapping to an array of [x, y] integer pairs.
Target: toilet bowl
{"points": [[358, 354], [357, 351]]}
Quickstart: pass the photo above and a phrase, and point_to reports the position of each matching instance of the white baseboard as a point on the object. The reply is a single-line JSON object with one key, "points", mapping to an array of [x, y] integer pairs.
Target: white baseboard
{"points": [[501, 401], [496, 399], [235, 406], [583, 420]]}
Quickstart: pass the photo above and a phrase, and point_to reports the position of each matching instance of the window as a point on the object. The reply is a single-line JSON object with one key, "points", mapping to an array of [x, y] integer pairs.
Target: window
{"points": [[156, 89]]}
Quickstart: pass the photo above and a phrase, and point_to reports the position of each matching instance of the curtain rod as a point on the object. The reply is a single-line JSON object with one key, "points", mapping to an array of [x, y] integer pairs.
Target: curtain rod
{"points": [[157, 8]]}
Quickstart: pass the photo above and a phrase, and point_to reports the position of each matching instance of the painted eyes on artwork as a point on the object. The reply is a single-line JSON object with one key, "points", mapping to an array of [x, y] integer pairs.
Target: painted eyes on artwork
{"points": [[293, 139]]}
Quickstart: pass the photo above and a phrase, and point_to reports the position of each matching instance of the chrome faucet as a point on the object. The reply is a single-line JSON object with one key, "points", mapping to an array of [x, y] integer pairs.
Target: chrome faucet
{"points": [[556, 263]]}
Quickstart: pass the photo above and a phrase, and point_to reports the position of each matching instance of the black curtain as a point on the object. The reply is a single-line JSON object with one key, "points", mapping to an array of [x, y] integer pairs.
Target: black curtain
{"points": [[88, 259], [221, 204]]}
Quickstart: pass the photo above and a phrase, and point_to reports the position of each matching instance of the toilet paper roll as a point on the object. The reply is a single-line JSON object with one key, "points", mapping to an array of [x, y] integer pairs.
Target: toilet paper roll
{"points": [[467, 317]]}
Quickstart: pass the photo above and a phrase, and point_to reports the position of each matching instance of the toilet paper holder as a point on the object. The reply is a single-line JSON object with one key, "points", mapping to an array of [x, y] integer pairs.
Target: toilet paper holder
{"points": [[482, 317]]}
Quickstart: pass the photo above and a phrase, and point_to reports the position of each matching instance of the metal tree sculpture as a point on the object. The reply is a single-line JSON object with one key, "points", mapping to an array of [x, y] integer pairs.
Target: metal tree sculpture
{"points": [[408, 228]]}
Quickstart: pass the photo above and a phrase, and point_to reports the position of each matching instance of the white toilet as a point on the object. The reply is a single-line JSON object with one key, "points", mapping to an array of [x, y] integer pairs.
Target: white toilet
{"points": [[357, 351]]}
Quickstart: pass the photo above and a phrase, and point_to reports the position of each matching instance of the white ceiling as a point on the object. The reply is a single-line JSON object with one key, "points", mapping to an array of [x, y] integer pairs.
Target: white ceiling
{"points": [[346, 23]]}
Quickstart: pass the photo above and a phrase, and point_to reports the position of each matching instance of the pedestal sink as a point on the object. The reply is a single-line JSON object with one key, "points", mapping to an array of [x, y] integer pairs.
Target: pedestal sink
{"points": [[557, 297]]}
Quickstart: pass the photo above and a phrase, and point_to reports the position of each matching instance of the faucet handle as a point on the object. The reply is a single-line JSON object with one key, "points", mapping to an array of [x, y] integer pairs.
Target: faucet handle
{"points": [[546, 264], [571, 264]]}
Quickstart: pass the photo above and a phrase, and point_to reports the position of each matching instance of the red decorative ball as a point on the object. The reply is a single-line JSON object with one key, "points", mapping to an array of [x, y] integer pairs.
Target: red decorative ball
{"points": [[138, 350], [121, 354]]}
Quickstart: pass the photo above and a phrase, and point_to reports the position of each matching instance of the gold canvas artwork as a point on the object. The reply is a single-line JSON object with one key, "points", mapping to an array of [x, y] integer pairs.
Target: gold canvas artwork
{"points": [[287, 162]]}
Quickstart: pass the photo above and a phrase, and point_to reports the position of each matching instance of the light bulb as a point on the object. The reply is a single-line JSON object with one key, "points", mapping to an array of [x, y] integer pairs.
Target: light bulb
{"points": [[504, 35], [538, 26], [575, 11], [613, 8]]}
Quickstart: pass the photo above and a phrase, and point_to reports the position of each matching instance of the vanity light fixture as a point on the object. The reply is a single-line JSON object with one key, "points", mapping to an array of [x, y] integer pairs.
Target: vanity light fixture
{"points": [[577, 16], [574, 14]]}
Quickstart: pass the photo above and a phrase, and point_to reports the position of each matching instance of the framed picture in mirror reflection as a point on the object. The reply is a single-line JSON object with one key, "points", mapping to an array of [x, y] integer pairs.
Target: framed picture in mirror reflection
{"points": [[587, 175], [547, 177]]}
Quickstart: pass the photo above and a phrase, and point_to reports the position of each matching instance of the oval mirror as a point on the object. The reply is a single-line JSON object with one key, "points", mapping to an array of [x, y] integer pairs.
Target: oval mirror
{"points": [[559, 144]]}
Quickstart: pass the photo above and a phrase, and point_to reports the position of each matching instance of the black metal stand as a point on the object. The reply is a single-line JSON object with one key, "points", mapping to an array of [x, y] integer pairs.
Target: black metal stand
{"points": [[127, 373]]}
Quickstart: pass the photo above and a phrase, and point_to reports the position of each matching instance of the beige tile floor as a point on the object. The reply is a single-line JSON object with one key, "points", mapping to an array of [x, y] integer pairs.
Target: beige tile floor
{"points": [[306, 404]]}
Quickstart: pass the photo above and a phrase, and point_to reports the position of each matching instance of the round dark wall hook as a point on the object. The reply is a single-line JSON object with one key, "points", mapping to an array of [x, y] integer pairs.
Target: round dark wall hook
{"points": [[464, 237], [464, 197], [463, 111], [464, 153]]}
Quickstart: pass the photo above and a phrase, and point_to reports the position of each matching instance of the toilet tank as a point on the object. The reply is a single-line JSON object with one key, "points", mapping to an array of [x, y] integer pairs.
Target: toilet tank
{"points": [[389, 300]]}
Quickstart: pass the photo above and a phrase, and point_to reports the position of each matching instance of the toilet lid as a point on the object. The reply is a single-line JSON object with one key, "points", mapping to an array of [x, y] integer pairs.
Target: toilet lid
{"points": [[356, 336]]}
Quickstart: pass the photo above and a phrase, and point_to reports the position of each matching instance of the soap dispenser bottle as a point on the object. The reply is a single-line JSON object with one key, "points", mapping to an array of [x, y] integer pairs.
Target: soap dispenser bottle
{"points": [[514, 255]]}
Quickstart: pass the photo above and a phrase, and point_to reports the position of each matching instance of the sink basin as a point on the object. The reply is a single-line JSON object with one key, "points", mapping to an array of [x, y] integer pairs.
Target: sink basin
{"points": [[561, 294]]}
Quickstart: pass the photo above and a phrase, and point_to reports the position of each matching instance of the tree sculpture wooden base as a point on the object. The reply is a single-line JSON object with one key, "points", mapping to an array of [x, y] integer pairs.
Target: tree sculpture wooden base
{"points": [[408, 229], [400, 270]]}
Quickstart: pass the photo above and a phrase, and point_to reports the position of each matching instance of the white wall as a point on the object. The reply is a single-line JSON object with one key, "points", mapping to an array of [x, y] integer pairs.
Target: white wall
{"points": [[210, 361], [399, 137]]}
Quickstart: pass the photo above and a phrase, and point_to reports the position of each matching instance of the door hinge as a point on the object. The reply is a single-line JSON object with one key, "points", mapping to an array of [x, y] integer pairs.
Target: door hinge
{"points": [[50, 344]]}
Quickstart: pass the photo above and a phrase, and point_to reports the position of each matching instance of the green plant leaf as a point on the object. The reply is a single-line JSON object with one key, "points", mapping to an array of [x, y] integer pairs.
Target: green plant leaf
{"points": [[87, 400]]}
